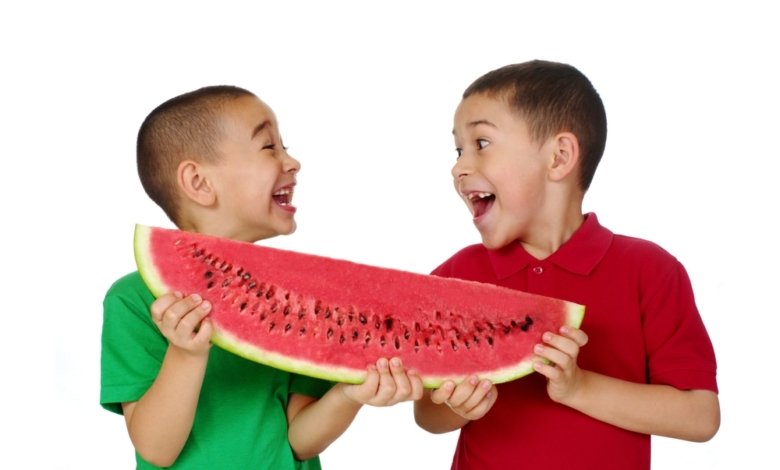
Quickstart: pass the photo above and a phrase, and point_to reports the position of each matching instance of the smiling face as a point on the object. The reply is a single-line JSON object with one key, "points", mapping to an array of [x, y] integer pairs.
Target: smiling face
{"points": [[255, 176], [501, 172]]}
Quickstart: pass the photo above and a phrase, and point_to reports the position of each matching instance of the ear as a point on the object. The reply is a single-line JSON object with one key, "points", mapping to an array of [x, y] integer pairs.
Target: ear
{"points": [[192, 180], [566, 155]]}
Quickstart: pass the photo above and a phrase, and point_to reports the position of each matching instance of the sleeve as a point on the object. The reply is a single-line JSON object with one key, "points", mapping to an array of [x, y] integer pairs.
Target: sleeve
{"points": [[132, 348], [309, 386], [679, 350]]}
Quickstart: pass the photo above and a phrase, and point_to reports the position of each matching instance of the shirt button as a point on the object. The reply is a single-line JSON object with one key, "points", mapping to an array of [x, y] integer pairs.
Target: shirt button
{"points": [[538, 270]]}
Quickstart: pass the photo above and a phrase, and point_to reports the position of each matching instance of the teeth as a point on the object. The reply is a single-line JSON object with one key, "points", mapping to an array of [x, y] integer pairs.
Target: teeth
{"points": [[479, 195], [283, 192]]}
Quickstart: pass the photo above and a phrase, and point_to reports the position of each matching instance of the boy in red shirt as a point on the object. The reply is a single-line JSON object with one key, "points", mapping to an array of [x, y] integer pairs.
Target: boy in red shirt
{"points": [[529, 137]]}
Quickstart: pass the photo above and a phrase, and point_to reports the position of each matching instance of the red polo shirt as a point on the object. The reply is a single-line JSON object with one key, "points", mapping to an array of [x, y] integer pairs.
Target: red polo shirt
{"points": [[643, 326]]}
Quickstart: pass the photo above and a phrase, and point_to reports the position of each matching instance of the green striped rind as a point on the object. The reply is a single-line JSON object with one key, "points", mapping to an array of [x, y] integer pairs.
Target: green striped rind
{"points": [[143, 260]]}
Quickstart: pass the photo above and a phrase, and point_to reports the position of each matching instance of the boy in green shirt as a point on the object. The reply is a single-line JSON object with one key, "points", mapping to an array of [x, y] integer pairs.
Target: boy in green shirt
{"points": [[214, 161]]}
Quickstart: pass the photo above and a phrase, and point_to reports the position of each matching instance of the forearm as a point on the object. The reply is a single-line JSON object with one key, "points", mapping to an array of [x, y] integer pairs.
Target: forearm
{"points": [[649, 409], [437, 419], [318, 424], [160, 422]]}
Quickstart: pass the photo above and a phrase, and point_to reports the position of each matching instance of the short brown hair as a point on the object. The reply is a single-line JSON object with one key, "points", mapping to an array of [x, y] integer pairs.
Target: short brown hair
{"points": [[552, 97], [186, 126]]}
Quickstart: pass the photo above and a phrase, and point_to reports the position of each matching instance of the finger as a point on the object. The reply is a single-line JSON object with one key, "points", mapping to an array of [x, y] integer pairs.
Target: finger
{"points": [[403, 387], [463, 391], [575, 334], [204, 332], [387, 387], [483, 406], [567, 346], [173, 314], [552, 355], [477, 396], [163, 303], [547, 369], [443, 393], [192, 320], [418, 389]]}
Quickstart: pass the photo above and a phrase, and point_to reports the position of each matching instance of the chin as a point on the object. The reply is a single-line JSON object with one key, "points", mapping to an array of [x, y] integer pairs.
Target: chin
{"points": [[494, 242]]}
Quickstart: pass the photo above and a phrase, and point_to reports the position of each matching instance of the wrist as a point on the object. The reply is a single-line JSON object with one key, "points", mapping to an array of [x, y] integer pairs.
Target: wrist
{"points": [[347, 399]]}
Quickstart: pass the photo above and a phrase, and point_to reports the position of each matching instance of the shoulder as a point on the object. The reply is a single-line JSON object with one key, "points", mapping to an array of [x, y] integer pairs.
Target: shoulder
{"points": [[129, 289], [642, 250]]}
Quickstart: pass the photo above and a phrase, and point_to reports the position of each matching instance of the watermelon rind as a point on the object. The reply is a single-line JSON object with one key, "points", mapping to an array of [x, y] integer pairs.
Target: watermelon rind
{"points": [[143, 260]]}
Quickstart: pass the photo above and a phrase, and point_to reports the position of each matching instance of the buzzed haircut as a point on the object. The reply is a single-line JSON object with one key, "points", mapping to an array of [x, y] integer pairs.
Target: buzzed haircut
{"points": [[187, 126], [552, 97]]}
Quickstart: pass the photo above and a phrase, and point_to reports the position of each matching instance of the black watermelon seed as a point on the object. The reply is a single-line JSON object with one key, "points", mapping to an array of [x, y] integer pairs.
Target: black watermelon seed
{"points": [[287, 327], [208, 274]]}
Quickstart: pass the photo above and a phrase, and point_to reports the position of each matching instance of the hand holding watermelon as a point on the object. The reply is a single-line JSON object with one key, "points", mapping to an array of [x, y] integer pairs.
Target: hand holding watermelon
{"points": [[183, 321], [471, 399], [558, 361], [386, 384]]}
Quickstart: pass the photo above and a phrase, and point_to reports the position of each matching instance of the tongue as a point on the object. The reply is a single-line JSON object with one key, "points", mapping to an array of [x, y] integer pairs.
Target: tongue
{"points": [[481, 206], [281, 199]]}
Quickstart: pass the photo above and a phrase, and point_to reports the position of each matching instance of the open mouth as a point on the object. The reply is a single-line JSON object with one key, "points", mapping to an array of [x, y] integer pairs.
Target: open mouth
{"points": [[283, 197], [481, 202]]}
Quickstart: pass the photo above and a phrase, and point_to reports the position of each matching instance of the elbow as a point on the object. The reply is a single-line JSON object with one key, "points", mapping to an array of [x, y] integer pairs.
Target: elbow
{"points": [[301, 456], [158, 460], [708, 421], [707, 429], [156, 456]]}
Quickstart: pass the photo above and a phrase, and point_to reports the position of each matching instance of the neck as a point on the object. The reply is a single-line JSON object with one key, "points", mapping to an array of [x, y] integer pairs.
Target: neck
{"points": [[549, 234]]}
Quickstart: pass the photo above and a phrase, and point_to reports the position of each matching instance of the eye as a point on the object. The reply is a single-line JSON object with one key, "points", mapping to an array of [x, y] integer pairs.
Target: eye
{"points": [[459, 151], [482, 143]]}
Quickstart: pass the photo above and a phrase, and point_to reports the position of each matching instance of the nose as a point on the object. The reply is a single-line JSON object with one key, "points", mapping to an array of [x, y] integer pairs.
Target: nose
{"points": [[291, 165], [461, 168]]}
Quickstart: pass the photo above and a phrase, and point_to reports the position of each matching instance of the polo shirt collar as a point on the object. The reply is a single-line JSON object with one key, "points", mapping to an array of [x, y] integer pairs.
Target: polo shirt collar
{"points": [[580, 254]]}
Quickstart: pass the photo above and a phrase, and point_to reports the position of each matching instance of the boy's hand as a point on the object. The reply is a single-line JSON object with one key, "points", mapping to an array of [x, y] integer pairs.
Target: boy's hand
{"points": [[387, 383], [470, 399], [183, 322], [557, 360]]}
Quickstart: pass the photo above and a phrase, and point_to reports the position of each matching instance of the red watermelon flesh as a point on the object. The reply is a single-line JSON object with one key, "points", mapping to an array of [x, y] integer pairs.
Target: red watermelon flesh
{"points": [[331, 318]]}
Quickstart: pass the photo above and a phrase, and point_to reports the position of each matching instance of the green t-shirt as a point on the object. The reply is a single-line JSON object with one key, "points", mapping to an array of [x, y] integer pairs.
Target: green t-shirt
{"points": [[240, 421]]}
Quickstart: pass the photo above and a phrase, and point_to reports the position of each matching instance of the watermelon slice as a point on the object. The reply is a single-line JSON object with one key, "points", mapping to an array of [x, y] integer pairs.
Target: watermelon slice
{"points": [[331, 318]]}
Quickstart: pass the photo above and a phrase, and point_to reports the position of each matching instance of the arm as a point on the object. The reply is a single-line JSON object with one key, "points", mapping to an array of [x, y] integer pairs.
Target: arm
{"points": [[160, 422], [315, 424], [662, 410]]}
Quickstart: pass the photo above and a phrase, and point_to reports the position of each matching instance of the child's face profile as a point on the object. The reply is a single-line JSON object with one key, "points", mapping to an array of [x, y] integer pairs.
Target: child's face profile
{"points": [[255, 178], [500, 172]]}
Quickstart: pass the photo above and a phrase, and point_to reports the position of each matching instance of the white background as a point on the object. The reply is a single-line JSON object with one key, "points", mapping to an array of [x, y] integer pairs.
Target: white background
{"points": [[364, 92]]}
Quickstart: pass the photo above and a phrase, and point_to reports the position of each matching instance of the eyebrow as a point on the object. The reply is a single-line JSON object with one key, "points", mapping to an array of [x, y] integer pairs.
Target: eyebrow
{"points": [[260, 127], [478, 122]]}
